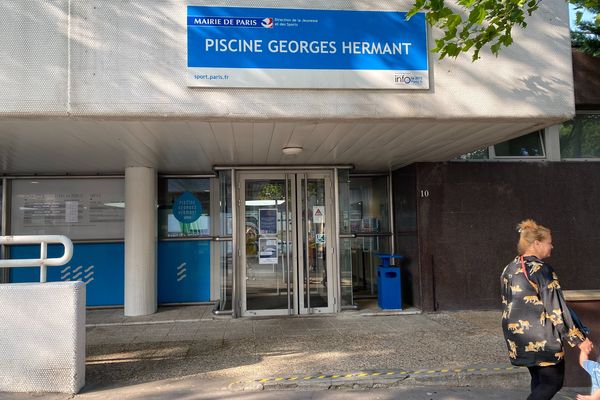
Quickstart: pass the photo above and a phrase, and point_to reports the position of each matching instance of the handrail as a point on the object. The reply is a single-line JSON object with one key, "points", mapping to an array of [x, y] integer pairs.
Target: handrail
{"points": [[43, 261]]}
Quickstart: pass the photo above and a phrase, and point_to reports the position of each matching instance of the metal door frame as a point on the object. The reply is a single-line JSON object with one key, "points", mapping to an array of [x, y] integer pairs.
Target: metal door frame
{"points": [[293, 178], [302, 264]]}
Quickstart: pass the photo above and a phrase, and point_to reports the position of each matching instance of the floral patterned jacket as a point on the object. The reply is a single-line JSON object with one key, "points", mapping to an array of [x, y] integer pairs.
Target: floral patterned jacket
{"points": [[535, 317]]}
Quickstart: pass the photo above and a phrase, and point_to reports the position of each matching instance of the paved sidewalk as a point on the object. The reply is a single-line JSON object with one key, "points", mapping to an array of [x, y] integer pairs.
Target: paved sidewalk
{"points": [[258, 353], [187, 347]]}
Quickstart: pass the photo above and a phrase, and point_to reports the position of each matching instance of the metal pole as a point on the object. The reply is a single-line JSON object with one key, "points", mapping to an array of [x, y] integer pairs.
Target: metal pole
{"points": [[43, 256], [307, 263], [235, 250], [4, 273], [283, 167], [391, 209], [338, 270], [287, 242]]}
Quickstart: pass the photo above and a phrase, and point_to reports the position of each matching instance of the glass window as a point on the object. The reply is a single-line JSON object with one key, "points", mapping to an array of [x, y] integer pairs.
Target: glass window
{"points": [[225, 248], [226, 226], [580, 137], [344, 201], [364, 212], [184, 207], [369, 204], [1, 209], [529, 145], [479, 154], [81, 209]]}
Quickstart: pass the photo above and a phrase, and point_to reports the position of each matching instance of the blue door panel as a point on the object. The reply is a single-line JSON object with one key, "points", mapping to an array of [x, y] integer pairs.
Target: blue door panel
{"points": [[183, 271], [100, 266]]}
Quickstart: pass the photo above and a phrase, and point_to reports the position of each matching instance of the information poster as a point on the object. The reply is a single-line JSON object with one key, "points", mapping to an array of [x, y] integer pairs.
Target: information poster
{"points": [[267, 221], [306, 48], [77, 208], [267, 251]]}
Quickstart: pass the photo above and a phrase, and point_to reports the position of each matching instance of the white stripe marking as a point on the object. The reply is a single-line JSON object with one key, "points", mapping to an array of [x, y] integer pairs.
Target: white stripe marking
{"points": [[181, 278]]}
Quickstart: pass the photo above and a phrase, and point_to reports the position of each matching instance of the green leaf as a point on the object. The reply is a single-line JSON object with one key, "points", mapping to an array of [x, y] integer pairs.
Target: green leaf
{"points": [[477, 15], [496, 48], [506, 40]]}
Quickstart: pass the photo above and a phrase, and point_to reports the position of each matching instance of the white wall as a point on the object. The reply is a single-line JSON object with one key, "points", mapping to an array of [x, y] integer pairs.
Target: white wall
{"points": [[42, 345], [119, 58]]}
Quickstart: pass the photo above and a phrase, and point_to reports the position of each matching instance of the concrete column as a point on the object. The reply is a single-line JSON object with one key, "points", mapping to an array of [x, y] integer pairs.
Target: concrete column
{"points": [[552, 141], [140, 241]]}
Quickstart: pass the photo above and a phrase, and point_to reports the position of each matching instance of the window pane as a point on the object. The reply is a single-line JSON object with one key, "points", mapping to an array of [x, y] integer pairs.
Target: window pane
{"points": [[77, 208], [226, 226], [369, 204], [580, 137], [524, 146], [184, 207], [344, 201]]}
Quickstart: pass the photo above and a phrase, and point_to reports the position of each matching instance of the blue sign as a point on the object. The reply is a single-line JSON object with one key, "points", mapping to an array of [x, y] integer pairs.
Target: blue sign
{"points": [[187, 208], [277, 47], [183, 271], [100, 266]]}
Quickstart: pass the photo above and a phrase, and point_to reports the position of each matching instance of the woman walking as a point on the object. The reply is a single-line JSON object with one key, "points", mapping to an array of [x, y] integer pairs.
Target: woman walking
{"points": [[535, 318]]}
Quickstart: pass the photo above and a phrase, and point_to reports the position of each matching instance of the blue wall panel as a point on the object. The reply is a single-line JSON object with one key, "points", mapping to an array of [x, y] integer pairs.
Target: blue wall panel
{"points": [[100, 265], [183, 271]]}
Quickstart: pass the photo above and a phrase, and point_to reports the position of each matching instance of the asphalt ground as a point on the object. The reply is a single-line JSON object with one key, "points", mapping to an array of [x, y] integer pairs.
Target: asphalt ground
{"points": [[186, 352]]}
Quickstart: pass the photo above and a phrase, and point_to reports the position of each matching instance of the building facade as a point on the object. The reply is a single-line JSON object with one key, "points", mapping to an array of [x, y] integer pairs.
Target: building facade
{"points": [[250, 156]]}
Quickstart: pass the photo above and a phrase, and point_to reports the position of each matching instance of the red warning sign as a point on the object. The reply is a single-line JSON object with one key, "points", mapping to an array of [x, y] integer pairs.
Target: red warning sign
{"points": [[318, 214]]}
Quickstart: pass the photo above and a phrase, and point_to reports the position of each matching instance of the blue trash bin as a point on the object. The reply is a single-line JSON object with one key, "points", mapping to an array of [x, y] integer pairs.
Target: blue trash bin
{"points": [[389, 283]]}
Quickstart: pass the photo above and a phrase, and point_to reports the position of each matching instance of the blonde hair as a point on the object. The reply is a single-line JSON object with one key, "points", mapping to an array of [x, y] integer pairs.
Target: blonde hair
{"points": [[529, 232]]}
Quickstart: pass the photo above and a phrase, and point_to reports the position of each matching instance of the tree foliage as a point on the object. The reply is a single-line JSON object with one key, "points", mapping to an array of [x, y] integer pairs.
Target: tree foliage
{"points": [[586, 35], [475, 24]]}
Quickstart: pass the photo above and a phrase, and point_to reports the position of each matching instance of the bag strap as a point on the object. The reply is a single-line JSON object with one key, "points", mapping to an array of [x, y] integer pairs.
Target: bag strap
{"points": [[526, 274]]}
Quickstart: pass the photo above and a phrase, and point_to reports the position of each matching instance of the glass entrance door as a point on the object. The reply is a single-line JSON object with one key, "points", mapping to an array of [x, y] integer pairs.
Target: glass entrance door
{"points": [[286, 243]]}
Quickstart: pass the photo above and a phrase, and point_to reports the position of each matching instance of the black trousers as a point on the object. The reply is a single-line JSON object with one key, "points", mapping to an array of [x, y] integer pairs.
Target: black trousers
{"points": [[546, 381]]}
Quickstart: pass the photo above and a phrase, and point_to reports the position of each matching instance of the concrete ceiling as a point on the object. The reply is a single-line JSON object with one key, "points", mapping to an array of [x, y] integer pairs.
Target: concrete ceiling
{"points": [[93, 146]]}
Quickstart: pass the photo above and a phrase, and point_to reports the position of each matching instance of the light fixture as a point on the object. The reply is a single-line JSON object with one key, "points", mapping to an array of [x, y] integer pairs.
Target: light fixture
{"points": [[292, 150]]}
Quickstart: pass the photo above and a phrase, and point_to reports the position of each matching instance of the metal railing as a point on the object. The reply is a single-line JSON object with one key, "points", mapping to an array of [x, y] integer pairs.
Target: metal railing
{"points": [[43, 261]]}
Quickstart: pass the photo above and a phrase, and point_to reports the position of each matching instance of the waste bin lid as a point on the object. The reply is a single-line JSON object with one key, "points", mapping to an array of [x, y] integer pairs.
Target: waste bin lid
{"points": [[385, 258]]}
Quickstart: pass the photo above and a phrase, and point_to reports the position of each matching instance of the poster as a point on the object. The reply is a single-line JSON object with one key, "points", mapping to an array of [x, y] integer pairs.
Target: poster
{"points": [[81, 209], [187, 208], [267, 221], [267, 251]]}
